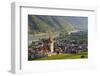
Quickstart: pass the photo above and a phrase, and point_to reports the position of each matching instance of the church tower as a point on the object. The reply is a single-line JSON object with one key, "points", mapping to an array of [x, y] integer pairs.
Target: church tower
{"points": [[51, 42]]}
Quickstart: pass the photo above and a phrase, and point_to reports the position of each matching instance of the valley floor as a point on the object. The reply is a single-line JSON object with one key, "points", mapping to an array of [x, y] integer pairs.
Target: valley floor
{"points": [[82, 55]]}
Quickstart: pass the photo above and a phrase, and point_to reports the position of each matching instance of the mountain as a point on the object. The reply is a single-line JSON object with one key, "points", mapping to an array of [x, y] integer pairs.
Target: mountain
{"points": [[43, 23], [80, 23]]}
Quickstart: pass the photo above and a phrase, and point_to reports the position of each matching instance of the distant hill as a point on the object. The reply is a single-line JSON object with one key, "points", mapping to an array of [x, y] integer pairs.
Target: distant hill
{"points": [[42, 23]]}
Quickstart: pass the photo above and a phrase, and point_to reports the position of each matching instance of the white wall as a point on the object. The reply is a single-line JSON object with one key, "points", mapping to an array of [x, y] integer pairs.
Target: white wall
{"points": [[5, 32]]}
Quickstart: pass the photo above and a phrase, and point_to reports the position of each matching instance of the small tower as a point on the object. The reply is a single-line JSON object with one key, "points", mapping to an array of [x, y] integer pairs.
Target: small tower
{"points": [[51, 42]]}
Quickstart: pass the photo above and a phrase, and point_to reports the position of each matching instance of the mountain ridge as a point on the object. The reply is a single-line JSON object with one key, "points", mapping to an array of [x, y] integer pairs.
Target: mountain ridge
{"points": [[42, 23]]}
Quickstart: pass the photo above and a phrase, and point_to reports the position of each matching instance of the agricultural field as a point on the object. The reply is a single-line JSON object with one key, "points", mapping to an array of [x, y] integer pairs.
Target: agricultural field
{"points": [[82, 55]]}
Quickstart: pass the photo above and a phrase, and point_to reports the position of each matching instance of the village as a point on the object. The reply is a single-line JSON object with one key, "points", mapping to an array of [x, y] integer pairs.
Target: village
{"points": [[71, 43]]}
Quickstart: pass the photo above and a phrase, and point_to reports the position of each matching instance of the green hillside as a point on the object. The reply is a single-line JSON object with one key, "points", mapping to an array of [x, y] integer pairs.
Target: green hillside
{"points": [[44, 24]]}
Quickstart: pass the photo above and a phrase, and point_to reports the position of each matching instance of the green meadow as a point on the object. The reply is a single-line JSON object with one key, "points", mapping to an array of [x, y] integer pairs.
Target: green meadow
{"points": [[82, 55]]}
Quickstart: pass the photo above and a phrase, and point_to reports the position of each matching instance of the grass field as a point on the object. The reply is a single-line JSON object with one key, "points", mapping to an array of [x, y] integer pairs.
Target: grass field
{"points": [[64, 56]]}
